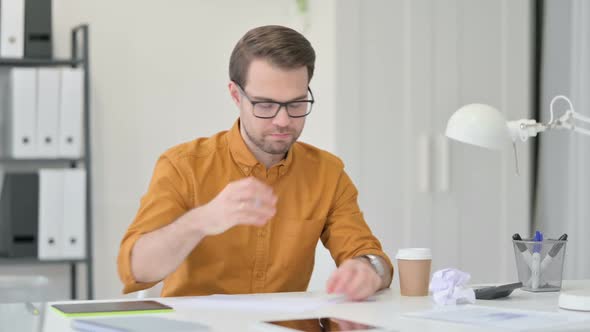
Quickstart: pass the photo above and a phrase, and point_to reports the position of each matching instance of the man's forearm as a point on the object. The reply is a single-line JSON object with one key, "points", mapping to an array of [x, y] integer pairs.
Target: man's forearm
{"points": [[159, 253]]}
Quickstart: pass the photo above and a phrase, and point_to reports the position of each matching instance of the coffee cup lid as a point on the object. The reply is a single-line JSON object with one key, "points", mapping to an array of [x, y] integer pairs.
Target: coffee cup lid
{"points": [[414, 253]]}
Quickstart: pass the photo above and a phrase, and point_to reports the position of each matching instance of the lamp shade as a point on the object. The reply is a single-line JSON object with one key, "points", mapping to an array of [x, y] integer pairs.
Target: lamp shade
{"points": [[480, 125]]}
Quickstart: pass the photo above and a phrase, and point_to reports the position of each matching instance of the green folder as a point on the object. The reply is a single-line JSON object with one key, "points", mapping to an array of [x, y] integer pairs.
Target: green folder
{"points": [[88, 309]]}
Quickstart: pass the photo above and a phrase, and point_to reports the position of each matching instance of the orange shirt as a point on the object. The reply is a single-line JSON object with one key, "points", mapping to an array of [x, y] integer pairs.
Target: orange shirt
{"points": [[316, 200]]}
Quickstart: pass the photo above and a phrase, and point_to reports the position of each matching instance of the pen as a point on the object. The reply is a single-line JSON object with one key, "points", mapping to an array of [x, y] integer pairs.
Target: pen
{"points": [[553, 252], [536, 261], [526, 255], [32, 309]]}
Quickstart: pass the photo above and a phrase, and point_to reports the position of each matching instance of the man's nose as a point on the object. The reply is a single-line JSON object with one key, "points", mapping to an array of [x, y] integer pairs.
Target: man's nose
{"points": [[282, 118]]}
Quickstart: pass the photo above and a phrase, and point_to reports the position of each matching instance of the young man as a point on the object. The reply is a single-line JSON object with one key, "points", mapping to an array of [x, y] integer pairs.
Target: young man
{"points": [[243, 210]]}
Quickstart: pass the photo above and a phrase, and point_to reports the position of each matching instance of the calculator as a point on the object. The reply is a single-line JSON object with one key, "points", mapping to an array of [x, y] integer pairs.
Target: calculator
{"points": [[496, 292]]}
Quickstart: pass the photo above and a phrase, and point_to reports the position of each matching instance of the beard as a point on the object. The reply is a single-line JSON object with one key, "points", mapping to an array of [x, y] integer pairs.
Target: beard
{"points": [[265, 143]]}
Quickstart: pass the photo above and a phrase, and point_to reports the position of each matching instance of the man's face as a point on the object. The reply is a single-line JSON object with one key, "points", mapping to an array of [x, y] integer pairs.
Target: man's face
{"points": [[267, 83]]}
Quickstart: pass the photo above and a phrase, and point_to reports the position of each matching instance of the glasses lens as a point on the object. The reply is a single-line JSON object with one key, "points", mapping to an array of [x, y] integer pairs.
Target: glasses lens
{"points": [[299, 108], [265, 110], [270, 109]]}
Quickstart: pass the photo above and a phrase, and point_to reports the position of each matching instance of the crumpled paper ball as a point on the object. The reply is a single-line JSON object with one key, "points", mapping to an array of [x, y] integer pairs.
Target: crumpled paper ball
{"points": [[448, 287]]}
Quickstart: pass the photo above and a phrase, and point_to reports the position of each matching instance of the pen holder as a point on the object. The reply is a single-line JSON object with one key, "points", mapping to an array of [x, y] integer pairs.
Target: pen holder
{"points": [[540, 264]]}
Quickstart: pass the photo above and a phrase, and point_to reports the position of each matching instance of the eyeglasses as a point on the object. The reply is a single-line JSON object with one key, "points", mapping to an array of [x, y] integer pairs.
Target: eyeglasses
{"points": [[268, 109]]}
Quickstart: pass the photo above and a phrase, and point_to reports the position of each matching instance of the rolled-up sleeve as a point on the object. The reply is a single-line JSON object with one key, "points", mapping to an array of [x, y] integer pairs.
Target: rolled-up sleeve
{"points": [[346, 234], [169, 196]]}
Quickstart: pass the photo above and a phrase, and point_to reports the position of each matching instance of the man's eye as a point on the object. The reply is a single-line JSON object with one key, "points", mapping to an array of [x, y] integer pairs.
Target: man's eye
{"points": [[298, 105], [265, 106]]}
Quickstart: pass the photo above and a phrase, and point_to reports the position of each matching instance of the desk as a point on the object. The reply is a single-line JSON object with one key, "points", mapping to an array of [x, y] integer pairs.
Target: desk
{"points": [[385, 311]]}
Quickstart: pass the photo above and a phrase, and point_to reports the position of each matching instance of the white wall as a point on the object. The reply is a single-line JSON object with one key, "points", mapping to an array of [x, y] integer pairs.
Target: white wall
{"points": [[159, 77], [406, 66]]}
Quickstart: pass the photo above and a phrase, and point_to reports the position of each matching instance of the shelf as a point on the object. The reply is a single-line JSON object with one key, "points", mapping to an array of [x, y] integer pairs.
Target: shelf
{"points": [[39, 160], [35, 260], [15, 62]]}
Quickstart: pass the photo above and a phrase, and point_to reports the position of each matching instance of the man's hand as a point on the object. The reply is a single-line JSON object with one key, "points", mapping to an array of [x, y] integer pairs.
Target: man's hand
{"points": [[355, 278], [158, 253], [243, 202]]}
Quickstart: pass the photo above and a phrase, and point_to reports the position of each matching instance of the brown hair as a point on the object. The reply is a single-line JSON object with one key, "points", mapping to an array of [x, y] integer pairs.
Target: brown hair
{"points": [[281, 46]]}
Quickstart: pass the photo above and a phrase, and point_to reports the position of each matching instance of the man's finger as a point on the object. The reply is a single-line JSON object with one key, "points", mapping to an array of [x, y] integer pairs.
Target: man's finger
{"points": [[252, 185], [255, 216], [357, 282], [249, 209], [255, 199], [331, 282], [347, 274], [334, 281], [361, 287]]}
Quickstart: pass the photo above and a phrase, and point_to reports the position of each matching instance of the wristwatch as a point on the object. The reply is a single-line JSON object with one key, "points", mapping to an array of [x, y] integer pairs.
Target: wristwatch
{"points": [[376, 263]]}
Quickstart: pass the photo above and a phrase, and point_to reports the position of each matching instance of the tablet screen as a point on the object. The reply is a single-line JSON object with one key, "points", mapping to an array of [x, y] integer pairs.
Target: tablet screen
{"points": [[323, 324]]}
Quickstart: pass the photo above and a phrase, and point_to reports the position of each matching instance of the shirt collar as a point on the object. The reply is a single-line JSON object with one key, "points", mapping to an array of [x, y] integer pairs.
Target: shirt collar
{"points": [[245, 158]]}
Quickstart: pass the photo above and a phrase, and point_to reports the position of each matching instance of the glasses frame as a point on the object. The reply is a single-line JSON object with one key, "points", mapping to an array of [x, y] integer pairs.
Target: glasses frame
{"points": [[281, 104]]}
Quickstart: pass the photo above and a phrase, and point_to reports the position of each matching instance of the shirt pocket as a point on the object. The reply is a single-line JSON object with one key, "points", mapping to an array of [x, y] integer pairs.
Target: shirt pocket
{"points": [[297, 240]]}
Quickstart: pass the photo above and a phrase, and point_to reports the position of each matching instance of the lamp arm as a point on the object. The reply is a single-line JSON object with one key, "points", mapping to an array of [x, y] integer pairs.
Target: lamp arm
{"points": [[582, 131], [553, 101], [580, 117], [566, 121], [525, 128]]}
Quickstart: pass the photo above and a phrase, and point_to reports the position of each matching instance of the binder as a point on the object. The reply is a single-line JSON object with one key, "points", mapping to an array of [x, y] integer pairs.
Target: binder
{"points": [[19, 90], [62, 214], [12, 26], [71, 112], [18, 214], [38, 29], [74, 214], [51, 204], [5, 225], [48, 82]]}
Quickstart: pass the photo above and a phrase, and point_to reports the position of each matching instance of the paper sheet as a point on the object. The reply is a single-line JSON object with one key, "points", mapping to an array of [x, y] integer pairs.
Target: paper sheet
{"points": [[139, 323], [267, 302], [501, 318]]}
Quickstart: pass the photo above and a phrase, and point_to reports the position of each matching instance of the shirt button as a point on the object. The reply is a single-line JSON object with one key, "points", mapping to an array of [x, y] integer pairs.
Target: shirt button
{"points": [[262, 233], [246, 169], [260, 275]]}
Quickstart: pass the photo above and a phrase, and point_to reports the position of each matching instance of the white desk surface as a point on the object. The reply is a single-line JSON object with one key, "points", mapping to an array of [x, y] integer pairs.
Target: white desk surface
{"points": [[386, 311]]}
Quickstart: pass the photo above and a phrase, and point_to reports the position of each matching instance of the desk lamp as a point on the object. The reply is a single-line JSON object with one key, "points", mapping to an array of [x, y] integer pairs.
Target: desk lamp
{"points": [[484, 126]]}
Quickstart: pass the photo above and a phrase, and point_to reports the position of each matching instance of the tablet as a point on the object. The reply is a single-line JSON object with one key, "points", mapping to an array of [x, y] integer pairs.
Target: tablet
{"points": [[111, 308], [322, 324]]}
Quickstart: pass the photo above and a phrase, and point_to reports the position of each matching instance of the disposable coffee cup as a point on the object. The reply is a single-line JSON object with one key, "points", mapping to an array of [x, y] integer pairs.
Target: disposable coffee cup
{"points": [[413, 265]]}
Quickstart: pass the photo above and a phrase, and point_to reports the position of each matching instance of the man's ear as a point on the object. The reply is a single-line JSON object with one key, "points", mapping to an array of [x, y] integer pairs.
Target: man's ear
{"points": [[234, 93]]}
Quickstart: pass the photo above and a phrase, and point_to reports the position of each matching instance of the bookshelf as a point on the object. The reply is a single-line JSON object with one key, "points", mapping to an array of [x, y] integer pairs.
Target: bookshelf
{"points": [[79, 58]]}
